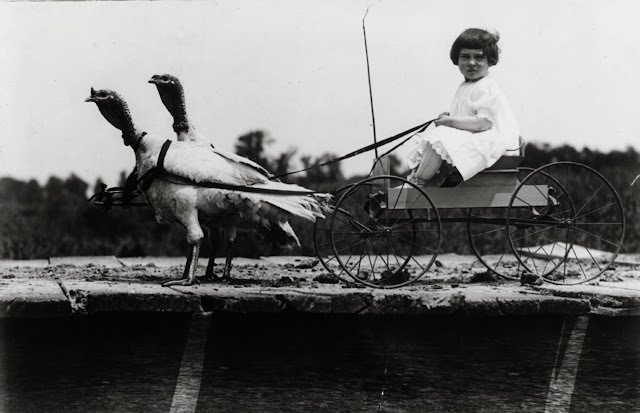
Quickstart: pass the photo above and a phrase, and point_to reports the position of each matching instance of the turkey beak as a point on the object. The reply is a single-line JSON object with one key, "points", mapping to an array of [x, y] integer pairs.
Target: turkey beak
{"points": [[154, 80], [91, 98]]}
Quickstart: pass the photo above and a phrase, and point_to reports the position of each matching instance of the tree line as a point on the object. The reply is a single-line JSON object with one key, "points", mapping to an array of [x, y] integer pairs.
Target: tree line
{"points": [[55, 219]]}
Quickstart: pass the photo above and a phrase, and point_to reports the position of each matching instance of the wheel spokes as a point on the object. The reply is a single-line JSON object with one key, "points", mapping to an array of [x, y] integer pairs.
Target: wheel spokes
{"points": [[382, 234], [590, 226]]}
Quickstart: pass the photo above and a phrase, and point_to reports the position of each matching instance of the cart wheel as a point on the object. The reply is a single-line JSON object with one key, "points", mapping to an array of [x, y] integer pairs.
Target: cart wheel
{"points": [[385, 232], [565, 223], [322, 242], [487, 232]]}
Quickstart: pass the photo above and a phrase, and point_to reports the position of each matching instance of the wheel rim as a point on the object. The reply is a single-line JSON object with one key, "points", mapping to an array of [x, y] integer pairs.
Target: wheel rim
{"points": [[575, 238], [379, 238], [489, 241], [322, 243]]}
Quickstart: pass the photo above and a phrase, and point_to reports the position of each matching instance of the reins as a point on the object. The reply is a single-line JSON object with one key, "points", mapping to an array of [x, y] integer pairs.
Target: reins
{"points": [[123, 196], [412, 131]]}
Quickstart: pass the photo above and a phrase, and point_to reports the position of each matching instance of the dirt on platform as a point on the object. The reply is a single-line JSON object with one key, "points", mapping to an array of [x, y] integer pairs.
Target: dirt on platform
{"points": [[283, 272]]}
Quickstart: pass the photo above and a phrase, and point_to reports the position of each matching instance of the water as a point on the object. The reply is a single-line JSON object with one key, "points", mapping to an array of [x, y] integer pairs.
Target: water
{"points": [[98, 364], [313, 363]]}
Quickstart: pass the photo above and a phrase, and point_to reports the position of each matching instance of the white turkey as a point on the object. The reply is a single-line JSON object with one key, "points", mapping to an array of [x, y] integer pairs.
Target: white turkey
{"points": [[182, 193], [185, 132], [172, 96]]}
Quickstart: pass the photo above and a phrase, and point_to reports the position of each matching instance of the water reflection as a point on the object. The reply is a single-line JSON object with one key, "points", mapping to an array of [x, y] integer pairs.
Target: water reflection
{"points": [[293, 363]]}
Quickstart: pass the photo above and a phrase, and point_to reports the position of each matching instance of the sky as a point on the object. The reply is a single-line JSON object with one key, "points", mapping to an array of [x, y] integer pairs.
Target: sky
{"points": [[297, 69]]}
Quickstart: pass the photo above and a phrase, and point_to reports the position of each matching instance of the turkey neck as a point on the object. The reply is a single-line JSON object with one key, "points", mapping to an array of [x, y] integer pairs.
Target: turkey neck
{"points": [[117, 114], [173, 99]]}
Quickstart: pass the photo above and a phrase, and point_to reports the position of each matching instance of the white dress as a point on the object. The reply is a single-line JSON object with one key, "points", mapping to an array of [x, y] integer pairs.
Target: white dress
{"points": [[471, 152]]}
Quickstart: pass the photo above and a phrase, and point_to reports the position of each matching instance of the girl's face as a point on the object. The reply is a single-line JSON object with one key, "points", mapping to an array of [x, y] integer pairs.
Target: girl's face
{"points": [[473, 64]]}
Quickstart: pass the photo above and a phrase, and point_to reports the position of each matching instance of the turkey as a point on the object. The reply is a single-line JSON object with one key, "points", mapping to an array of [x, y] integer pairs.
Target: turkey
{"points": [[183, 192], [172, 96], [168, 86]]}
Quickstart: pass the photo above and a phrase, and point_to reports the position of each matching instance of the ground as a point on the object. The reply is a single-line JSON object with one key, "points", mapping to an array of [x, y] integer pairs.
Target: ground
{"points": [[457, 284]]}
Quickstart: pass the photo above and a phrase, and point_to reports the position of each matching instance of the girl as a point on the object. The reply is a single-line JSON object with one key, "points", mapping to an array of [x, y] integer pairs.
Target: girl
{"points": [[480, 126]]}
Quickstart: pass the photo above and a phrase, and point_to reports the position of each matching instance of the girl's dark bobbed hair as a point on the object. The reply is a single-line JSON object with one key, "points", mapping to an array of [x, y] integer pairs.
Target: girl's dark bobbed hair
{"points": [[476, 39]]}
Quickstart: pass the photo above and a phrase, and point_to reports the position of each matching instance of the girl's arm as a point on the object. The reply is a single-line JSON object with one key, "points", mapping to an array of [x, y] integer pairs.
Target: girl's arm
{"points": [[468, 123]]}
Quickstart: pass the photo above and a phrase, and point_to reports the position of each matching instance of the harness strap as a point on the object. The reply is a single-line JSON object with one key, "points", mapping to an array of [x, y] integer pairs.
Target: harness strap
{"points": [[153, 173], [239, 188], [367, 148], [135, 144], [163, 154], [145, 180]]}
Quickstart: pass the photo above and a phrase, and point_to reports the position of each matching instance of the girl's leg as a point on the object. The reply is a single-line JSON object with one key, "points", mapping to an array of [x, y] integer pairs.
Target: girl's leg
{"points": [[429, 166]]}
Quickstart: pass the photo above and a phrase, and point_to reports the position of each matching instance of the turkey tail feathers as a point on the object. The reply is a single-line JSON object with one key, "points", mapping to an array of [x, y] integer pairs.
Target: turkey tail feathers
{"points": [[309, 207]]}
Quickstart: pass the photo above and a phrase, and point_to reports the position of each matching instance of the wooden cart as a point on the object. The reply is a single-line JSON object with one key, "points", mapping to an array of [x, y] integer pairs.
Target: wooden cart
{"points": [[563, 222]]}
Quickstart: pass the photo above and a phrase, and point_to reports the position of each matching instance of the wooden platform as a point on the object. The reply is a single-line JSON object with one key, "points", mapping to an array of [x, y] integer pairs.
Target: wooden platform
{"points": [[80, 287]]}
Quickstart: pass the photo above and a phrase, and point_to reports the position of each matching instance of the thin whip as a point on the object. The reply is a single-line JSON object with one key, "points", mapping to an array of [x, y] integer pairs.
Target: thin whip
{"points": [[366, 52]]}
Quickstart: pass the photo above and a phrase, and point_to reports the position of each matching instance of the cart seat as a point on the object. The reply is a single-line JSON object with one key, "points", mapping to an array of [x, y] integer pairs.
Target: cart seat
{"points": [[512, 160], [503, 172], [506, 162]]}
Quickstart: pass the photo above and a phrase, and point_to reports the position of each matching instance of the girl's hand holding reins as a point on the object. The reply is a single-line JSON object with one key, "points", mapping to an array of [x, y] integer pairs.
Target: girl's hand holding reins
{"points": [[443, 119]]}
